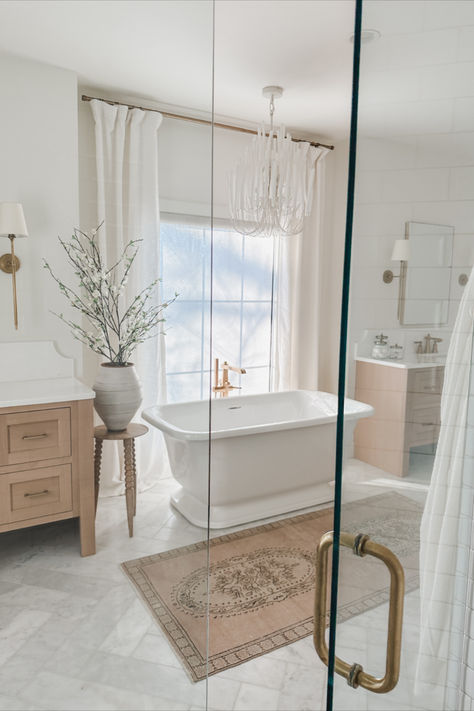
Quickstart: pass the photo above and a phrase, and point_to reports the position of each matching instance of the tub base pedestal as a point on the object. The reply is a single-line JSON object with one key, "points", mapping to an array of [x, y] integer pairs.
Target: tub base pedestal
{"points": [[227, 515]]}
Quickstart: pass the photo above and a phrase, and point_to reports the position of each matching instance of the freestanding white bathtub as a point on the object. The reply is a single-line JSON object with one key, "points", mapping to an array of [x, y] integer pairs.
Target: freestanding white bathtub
{"points": [[269, 453]]}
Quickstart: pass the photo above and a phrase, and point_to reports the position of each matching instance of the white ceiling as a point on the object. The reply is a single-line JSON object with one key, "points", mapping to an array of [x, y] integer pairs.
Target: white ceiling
{"points": [[160, 51]]}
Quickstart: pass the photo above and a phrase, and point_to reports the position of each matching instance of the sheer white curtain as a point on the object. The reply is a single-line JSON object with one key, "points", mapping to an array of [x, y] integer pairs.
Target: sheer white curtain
{"points": [[446, 528], [127, 204], [296, 322]]}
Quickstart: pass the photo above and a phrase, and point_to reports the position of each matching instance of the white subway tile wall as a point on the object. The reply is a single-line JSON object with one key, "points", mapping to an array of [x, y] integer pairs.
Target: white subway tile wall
{"points": [[415, 161]]}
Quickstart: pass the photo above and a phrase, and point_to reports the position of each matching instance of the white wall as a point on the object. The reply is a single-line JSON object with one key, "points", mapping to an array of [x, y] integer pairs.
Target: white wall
{"points": [[39, 168]]}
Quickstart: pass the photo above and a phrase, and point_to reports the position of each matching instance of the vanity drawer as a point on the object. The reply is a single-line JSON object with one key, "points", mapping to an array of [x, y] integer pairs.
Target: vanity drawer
{"points": [[424, 416], [35, 493], [34, 436], [420, 433], [426, 381], [422, 401]]}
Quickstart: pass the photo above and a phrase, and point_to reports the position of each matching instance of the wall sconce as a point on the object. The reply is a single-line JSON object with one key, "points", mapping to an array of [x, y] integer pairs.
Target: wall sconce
{"points": [[12, 224], [400, 253]]}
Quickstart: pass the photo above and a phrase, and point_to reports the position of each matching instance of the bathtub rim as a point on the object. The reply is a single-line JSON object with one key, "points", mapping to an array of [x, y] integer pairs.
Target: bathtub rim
{"points": [[152, 416]]}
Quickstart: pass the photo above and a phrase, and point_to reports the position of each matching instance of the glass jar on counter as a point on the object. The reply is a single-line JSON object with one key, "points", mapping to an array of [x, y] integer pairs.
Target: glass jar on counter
{"points": [[380, 349], [396, 352]]}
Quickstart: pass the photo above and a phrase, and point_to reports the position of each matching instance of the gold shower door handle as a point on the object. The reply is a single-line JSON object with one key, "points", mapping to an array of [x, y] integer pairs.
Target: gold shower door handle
{"points": [[354, 674]]}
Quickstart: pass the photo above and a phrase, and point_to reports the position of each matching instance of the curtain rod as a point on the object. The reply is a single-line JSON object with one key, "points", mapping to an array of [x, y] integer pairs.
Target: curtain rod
{"points": [[204, 122]]}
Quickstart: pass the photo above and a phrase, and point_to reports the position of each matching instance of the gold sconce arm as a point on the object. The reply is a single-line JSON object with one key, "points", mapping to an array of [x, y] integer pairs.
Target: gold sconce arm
{"points": [[12, 225], [10, 264], [354, 673]]}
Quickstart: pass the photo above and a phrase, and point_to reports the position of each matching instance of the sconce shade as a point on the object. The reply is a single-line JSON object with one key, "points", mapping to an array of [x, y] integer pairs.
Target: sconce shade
{"points": [[12, 220], [401, 251]]}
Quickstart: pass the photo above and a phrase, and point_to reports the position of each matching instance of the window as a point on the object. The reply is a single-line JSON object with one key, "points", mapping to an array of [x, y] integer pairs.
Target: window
{"points": [[241, 307]]}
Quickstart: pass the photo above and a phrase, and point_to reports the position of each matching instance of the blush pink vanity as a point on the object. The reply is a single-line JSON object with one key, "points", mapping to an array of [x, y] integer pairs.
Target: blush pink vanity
{"points": [[406, 398]]}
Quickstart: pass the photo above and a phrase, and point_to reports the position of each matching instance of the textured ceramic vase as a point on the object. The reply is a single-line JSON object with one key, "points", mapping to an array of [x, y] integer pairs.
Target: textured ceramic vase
{"points": [[118, 395]]}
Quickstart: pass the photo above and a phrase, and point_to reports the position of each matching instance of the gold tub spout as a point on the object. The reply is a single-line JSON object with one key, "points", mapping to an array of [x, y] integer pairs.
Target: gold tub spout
{"points": [[222, 388]]}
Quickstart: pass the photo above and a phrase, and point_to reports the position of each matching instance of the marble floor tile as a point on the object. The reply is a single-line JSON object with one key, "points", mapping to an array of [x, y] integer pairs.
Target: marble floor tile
{"points": [[79, 583], [129, 630], [49, 637], [136, 675], [300, 652], [255, 698], [93, 645], [10, 703], [19, 670], [7, 613], [7, 587], [262, 671], [69, 659], [60, 693], [155, 648], [303, 700], [20, 629]]}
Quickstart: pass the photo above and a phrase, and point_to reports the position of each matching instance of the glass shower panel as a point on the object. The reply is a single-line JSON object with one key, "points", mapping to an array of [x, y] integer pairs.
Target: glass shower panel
{"points": [[405, 547], [76, 632], [270, 489]]}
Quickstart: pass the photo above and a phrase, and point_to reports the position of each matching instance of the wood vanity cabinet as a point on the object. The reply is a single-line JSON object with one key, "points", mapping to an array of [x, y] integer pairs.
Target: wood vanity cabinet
{"points": [[407, 413], [46, 467]]}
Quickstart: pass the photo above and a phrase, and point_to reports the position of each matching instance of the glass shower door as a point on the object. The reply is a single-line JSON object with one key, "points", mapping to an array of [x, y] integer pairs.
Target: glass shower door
{"points": [[401, 549]]}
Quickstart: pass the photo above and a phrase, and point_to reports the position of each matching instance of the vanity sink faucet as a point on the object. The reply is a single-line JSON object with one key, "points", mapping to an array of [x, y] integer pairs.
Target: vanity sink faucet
{"points": [[430, 345]]}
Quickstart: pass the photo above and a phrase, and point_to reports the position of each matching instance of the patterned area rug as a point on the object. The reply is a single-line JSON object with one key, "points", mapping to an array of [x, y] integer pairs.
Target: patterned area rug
{"points": [[261, 581]]}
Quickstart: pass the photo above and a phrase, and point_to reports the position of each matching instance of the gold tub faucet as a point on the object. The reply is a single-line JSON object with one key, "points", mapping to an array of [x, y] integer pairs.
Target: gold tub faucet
{"points": [[222, 388]]}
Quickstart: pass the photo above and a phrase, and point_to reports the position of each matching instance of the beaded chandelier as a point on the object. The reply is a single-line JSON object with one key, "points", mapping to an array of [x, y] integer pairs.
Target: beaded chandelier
{"points": [[271, 188]]}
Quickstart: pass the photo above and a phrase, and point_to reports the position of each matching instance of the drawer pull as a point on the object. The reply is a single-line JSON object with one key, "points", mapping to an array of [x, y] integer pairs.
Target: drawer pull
{"points": [[428, 424], [37, 493], [38, 436]]}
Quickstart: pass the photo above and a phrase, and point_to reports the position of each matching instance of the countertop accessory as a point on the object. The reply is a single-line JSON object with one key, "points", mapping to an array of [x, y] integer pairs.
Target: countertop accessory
{"points": [[380, 349], [12, 224], [127, 436], [396, 352]]}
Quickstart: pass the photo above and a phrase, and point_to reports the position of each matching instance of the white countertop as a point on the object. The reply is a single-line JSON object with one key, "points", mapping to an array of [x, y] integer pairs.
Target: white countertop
{"points": [[405, 363], [39, 392]]}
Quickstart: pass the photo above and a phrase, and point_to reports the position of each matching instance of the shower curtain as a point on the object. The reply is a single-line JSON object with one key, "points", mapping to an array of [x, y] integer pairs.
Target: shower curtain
{"points": [[297, 300], [127, 203], [446, 525]]}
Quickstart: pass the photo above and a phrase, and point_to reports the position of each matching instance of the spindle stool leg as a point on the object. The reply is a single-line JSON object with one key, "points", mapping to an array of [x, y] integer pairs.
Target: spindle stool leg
{"points": [[129, 482], [97, 461], [134, 478]]}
